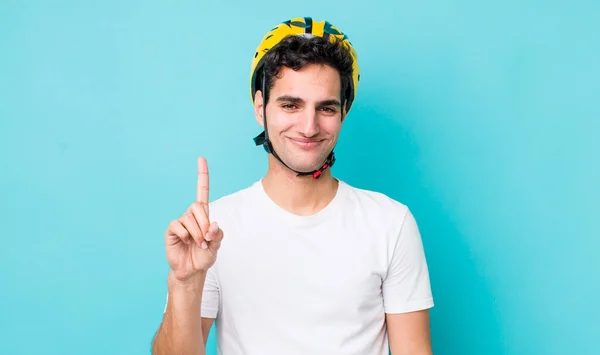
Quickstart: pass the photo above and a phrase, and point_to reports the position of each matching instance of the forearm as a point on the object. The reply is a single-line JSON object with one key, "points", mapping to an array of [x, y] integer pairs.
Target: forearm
{"points": [[181, 329]]}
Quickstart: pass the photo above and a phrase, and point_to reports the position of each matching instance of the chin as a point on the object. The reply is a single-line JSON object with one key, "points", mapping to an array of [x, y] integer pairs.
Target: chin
{"points": [[306, 165], [301, 159]]}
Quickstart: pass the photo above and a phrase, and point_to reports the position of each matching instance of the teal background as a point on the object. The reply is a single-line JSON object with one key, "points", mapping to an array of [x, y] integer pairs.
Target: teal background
{"points": [[482, 117]]}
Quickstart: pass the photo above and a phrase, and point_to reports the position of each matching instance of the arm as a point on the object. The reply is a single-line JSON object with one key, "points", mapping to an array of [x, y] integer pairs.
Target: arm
{"points": [[409, 333], [182, 330], [407, 293], [191, 244]]}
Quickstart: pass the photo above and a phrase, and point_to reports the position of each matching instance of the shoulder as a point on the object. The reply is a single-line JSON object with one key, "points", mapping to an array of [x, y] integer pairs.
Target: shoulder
{"points": [[231, 203], [375, 201], [233, 212], [377, 207]]}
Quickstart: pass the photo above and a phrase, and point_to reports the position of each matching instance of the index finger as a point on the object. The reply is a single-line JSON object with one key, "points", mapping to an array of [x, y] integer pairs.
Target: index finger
{"points": [[202, 187]]}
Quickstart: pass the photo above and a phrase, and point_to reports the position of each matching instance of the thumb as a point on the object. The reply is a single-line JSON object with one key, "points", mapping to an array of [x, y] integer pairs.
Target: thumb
{"points": [[214, 236]]}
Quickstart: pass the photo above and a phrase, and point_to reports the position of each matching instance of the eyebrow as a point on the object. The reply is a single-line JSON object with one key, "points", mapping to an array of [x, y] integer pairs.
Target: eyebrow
{"points": [[297, 100]]}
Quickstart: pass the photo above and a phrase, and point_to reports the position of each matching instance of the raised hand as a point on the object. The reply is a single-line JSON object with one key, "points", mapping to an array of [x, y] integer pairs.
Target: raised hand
{"points": [[192, 241]]}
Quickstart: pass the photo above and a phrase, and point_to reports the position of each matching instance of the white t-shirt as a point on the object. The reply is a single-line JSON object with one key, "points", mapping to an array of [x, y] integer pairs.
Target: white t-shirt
{"points": [[320, 284]]}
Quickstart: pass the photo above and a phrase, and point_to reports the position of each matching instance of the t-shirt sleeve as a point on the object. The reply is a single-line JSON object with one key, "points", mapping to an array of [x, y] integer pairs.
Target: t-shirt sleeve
{"points": [[406, 286], [210, 295]]}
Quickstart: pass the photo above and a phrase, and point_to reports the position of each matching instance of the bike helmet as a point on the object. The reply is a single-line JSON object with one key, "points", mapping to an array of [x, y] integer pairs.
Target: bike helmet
{"points": [[300, 26]]}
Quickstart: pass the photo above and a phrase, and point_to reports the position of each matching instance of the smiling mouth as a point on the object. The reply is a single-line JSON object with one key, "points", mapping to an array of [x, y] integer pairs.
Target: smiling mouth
{"points": [[305, 143]]}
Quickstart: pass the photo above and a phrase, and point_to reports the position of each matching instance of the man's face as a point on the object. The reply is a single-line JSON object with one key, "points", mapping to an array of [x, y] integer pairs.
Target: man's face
{"points": [[304, 116]]}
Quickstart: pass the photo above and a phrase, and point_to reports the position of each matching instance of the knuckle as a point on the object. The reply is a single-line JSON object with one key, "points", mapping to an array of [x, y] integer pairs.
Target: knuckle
{"points": [[174, 226], [200, 206]]}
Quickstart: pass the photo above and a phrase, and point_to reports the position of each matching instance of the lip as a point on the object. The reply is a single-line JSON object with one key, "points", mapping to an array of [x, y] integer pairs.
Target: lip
{"points": [[305, 143]]}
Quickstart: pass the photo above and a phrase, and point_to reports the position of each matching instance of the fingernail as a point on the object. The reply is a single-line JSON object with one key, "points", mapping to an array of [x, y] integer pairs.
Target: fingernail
{"points": [[207, 236], [204, 245]]}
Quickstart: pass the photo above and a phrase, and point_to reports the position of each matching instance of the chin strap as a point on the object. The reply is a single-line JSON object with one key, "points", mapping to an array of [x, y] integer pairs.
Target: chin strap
{"points": [[263, 139]]}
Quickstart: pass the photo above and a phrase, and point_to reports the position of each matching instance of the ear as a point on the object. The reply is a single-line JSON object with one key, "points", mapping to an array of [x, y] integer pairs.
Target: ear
{"points": [[258, 108]]}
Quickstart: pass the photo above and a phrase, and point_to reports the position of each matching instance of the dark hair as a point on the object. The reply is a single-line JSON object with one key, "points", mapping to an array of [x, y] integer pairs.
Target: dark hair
{"points": [[295, 52]]}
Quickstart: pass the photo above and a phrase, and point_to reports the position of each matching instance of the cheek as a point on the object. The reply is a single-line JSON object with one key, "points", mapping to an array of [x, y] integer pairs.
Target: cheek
{"points": [[279, 121], [332, 126]]}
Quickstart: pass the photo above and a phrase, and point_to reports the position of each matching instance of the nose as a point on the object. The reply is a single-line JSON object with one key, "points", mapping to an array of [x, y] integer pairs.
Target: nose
{"points": [[309, 124]]}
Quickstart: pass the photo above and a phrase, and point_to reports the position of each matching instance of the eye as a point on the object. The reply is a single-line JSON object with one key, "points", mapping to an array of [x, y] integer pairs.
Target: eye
{"points": [[289, 106], [329, 110]]}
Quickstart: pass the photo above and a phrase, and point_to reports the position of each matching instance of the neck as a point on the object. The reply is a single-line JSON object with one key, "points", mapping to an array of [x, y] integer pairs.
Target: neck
{"points": [[300, 195]]}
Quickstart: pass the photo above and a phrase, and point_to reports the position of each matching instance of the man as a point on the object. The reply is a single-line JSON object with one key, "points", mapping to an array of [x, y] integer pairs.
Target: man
{"points": [[309, 265]]}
